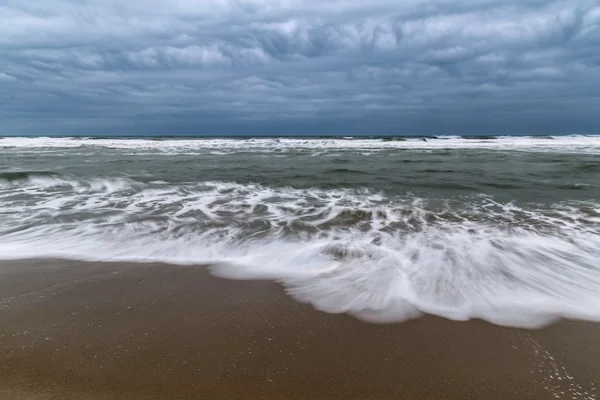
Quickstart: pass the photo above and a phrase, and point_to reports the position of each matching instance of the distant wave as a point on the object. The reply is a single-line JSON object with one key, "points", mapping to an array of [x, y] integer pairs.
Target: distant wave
{"points": [[574, 143]]}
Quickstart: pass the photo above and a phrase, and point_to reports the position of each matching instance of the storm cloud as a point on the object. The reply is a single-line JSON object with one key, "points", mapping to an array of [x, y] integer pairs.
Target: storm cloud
{"points": [[299, 67]]}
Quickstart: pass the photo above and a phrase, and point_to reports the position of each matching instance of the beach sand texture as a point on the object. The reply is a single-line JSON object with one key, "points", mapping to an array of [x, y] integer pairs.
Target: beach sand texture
{"points": [[73, 330]]}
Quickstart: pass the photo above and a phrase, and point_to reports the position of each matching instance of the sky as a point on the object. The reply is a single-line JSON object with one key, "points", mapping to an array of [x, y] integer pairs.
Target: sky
{"points": [[349, 67]]}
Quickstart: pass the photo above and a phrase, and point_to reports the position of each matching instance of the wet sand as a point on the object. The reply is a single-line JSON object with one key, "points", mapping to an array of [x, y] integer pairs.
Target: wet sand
{"points": [[73, 330]]}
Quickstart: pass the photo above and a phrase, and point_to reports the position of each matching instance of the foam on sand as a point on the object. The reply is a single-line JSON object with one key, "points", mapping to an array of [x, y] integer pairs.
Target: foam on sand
{"points": [[380, 258]]}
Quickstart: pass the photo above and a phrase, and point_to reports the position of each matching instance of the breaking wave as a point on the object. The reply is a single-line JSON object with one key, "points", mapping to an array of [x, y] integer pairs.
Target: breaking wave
{"points": [[378, 257], [573, 143]]}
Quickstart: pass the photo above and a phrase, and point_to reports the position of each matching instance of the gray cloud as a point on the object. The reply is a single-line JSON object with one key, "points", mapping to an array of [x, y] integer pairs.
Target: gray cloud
{"points": [[292, 66]]}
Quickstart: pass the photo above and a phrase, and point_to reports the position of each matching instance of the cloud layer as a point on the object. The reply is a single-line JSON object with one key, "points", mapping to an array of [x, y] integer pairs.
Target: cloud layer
{"points": [[299, 67]]}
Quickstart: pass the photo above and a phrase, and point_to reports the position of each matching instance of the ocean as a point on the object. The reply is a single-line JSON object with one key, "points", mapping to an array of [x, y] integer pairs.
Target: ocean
{"points": [[506, 229]]}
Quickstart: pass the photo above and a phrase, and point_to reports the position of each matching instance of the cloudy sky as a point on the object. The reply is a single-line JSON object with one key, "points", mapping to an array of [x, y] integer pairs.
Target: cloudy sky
{"points": [[299, 67]]}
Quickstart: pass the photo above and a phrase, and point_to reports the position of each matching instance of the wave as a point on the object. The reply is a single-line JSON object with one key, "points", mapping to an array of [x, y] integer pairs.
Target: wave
{"points": [[590, 167], [49, 179], [516, 279], [238, 202], [18, 176], [480, 137], [575, 143], [378, 257], [347, 171]]}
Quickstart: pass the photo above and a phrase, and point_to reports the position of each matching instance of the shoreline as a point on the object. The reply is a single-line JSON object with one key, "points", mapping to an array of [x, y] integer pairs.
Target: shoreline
{"points": [[76, 330]]}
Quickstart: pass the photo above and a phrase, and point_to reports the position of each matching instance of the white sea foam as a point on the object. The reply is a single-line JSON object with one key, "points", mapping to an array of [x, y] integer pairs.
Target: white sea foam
{"points": [[380, 258], [575, 143], [520, 279]]}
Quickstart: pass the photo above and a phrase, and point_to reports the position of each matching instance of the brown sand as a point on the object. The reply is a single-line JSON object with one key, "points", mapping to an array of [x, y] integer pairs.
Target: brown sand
{"points": [[72, 330]]}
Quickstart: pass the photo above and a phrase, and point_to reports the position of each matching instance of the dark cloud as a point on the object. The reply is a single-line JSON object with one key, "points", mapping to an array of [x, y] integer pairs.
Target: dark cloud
{"points": [[292, 66]]}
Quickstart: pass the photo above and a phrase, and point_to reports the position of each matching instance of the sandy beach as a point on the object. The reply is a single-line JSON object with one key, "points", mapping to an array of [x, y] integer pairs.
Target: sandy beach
{"points": [[73, 330]]}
